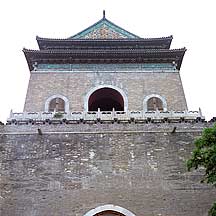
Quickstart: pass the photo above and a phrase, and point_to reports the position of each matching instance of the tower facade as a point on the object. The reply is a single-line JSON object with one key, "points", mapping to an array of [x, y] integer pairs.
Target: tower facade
{"points": [[105, 67], [105, 131]]}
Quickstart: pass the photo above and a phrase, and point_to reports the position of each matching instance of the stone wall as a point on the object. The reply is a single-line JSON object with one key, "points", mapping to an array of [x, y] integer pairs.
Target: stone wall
{"points": [[71, 169], [75, 86]]}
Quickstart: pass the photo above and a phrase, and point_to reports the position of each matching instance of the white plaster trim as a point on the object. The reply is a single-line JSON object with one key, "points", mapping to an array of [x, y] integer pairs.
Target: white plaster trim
{"points": [[92, 90], [57, 96], [154, 95], [109, 207]]}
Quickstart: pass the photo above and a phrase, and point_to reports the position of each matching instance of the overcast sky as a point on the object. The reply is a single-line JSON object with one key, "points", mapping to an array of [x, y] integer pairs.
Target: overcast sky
{"points": [[191, 22]]}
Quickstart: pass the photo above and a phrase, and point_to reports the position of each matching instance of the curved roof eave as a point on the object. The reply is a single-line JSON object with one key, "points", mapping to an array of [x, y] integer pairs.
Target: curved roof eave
{"points": [[60, 51]]}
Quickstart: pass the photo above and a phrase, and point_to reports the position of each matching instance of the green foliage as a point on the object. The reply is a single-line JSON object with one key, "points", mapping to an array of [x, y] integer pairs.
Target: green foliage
{"points": [[58, 115], [212, 211], [204, 155]]}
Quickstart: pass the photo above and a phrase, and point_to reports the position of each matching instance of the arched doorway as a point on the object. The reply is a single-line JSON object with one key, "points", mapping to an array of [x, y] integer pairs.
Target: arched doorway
{"points": [[109, 210], [106, 99], [109, 213]]}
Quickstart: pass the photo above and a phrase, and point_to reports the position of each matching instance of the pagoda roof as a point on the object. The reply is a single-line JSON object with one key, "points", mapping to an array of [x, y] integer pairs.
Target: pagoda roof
{"points": [[104, 33], [104, 56], [104, 42]]}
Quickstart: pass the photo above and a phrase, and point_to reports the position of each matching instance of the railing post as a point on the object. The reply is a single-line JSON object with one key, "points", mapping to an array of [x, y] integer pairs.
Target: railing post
{"points": [[127, 113], [113, 113], [24, 115], [157, 113], [200, 112], [40, 116], [84, 114], [170, 114], [143, 114], [98, 113], [11, 114]]}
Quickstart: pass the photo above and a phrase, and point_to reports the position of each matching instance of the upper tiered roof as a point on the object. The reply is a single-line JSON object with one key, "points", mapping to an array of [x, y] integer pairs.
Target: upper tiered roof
{"points": [[143, 43], [104, 42]]}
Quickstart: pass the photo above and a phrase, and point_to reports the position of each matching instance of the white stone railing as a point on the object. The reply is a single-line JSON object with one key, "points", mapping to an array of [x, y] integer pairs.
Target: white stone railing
{"points": [[106, 116]]}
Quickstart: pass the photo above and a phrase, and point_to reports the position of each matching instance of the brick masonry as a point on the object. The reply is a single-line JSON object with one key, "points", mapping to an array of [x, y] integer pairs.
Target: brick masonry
{"points": [[70, 169], [75, 86]]}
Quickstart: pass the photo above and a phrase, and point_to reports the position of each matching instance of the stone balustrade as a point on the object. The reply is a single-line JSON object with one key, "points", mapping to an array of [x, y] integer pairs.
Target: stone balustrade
{"points": [[104, 116]]}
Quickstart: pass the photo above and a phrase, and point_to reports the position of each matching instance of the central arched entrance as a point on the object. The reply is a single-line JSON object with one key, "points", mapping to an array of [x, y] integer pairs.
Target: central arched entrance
{"points": [[109, 213], [106, 99]]}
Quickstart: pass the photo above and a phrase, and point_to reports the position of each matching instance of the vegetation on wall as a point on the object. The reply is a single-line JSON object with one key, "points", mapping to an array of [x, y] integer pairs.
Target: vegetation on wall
{"points": [[204, 155], [58, 115]]}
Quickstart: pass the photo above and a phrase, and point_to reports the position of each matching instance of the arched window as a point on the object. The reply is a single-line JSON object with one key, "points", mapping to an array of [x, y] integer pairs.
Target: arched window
{"points": [[154, 104], [57, 104]]}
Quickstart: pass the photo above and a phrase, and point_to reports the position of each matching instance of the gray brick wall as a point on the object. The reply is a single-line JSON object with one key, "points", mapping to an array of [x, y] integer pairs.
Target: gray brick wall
{"points": [[76, 85], [71, 169]]}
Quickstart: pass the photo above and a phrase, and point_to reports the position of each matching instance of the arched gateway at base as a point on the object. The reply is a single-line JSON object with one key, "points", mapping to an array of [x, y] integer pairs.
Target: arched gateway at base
{"points": [[109, 210]]}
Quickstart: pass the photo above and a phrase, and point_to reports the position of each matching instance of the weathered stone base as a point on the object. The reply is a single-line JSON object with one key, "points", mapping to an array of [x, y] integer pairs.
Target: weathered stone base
{"points": [[69, 170]]}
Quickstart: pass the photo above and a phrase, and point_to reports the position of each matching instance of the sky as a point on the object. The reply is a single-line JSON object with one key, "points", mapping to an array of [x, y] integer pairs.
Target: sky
{"points": [[191, 22]]}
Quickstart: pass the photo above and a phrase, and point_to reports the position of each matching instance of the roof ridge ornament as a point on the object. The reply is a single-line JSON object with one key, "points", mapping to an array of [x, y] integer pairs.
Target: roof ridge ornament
{"points": [[104, 29]]}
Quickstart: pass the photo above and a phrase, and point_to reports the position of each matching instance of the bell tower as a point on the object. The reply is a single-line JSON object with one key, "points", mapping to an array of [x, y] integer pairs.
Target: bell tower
{"points": [[105, 67], [105, 130]]}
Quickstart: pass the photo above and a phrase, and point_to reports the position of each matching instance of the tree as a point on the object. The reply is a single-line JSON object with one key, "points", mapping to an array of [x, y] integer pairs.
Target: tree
{"points": [[204, 155]]}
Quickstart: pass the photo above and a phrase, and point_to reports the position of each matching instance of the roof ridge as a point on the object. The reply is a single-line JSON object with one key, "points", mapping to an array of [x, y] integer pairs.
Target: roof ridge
{"points": [[104, 19]]}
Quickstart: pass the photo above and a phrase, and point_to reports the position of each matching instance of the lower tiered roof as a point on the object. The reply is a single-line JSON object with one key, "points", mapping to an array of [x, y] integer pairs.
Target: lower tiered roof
{"points": [[104, 56]]}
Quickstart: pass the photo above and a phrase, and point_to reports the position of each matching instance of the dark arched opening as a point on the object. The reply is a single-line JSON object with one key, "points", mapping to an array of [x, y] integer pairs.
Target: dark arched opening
{"points": [[106, 99], [57, 104], [109, 213], [154, 104]]}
